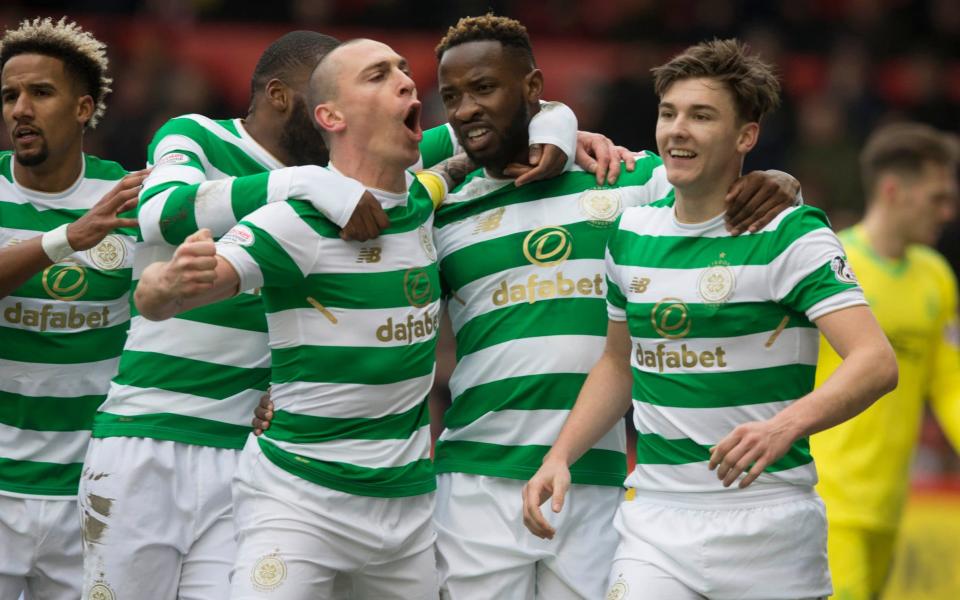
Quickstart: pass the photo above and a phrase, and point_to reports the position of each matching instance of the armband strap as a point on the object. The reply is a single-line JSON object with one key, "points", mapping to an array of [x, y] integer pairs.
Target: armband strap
{"points": [[435, 185]]}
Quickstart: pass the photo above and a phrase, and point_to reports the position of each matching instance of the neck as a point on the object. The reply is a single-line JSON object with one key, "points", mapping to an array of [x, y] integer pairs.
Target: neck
{"points": [[883, 233], [373, 172], [266, 132], [694, 205], [51, 176], [704, 200]]}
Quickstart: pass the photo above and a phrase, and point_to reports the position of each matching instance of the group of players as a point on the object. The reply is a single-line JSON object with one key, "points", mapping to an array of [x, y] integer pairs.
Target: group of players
{"points": [[639, 280]]}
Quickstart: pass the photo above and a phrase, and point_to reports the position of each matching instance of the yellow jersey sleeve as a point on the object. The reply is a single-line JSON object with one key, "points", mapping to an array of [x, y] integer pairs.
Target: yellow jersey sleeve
{"points": [[945, 378]]}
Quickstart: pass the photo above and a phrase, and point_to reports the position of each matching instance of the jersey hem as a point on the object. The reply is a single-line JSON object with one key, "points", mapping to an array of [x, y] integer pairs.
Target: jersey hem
{"points": [[167, 435], [12, 490], [374, 490]]}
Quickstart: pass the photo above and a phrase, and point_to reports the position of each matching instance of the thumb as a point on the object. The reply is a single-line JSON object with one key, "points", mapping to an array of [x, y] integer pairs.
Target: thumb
{"points": [[536, 153], [202, 235], [559, 491]]}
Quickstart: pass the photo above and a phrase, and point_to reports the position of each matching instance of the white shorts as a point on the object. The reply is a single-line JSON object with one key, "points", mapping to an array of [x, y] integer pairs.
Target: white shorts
{"points": [[484, 551], [295, 538], [770, 550], [40, 551], [157, 520]]}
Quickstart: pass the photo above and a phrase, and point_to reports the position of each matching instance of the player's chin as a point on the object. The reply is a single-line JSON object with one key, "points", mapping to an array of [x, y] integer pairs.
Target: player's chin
{"points": [[410, 154]]}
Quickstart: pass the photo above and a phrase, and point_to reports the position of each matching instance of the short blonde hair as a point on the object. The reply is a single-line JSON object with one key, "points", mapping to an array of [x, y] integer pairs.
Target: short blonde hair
{"points": [[84, 56]]}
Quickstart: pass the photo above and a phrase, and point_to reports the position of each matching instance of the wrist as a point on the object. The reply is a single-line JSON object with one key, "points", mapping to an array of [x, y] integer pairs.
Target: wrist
{"points": [[557, 456], [789, 425], [56, 245]]}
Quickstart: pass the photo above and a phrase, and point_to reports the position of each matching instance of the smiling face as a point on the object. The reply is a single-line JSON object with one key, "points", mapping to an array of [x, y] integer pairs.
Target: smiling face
{"points": [[42, 108], [373, 103], [490, 92], [700, 137]]}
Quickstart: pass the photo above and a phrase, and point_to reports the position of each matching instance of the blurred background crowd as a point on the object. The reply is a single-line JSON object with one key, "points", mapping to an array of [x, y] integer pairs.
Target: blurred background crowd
{"points": [[846, 66]]}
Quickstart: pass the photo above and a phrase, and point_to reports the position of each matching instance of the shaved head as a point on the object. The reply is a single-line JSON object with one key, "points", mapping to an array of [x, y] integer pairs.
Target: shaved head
{"points": [[323, 80]]}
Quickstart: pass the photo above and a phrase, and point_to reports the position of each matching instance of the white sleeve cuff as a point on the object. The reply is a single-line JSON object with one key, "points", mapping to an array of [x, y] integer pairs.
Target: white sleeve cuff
{"points": [[555, 124], [615, 313], [851, 297], [251, 277]]}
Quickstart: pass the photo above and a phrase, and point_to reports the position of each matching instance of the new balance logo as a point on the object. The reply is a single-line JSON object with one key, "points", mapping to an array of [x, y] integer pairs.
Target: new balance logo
{"points": [[370, 255], [489, 221], [638, 285]]}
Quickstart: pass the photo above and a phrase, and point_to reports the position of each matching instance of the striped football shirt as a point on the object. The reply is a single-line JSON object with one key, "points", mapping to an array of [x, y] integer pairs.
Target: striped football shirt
{"points": [[61, 334], [352, 330], [723, 333], [524, 271]]}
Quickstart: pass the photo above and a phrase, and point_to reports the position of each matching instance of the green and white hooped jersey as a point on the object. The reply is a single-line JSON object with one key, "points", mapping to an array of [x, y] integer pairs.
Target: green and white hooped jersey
{"points": [[523, 268], [352, 331], [61, 334], [195, 378], [722, 330]]}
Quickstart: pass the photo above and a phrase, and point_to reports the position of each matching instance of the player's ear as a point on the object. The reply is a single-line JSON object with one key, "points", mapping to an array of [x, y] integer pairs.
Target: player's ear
{"points": [[748, 136], [533, 85], [328, 118], [278, 95], [85, 109]]}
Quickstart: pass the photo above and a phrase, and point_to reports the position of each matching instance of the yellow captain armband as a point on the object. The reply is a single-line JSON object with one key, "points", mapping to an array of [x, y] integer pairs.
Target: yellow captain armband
{"points": [[435, 185]]}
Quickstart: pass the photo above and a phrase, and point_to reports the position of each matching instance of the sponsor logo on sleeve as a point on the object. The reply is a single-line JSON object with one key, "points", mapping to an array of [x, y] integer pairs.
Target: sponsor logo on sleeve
{"points": [[173, 158], [842, 270], [240, 235]]}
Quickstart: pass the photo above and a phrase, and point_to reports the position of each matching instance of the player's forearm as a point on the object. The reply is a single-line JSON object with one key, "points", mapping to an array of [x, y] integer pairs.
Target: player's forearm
{"points": [[335, 196], [866, 373], [169, 213], [602, 402], [160, 294], [153, 297], [21, 262]]}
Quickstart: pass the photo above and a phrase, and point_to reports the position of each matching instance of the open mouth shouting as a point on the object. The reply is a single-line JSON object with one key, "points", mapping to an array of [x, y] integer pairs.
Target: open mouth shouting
{"points": [[411, 120]]}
